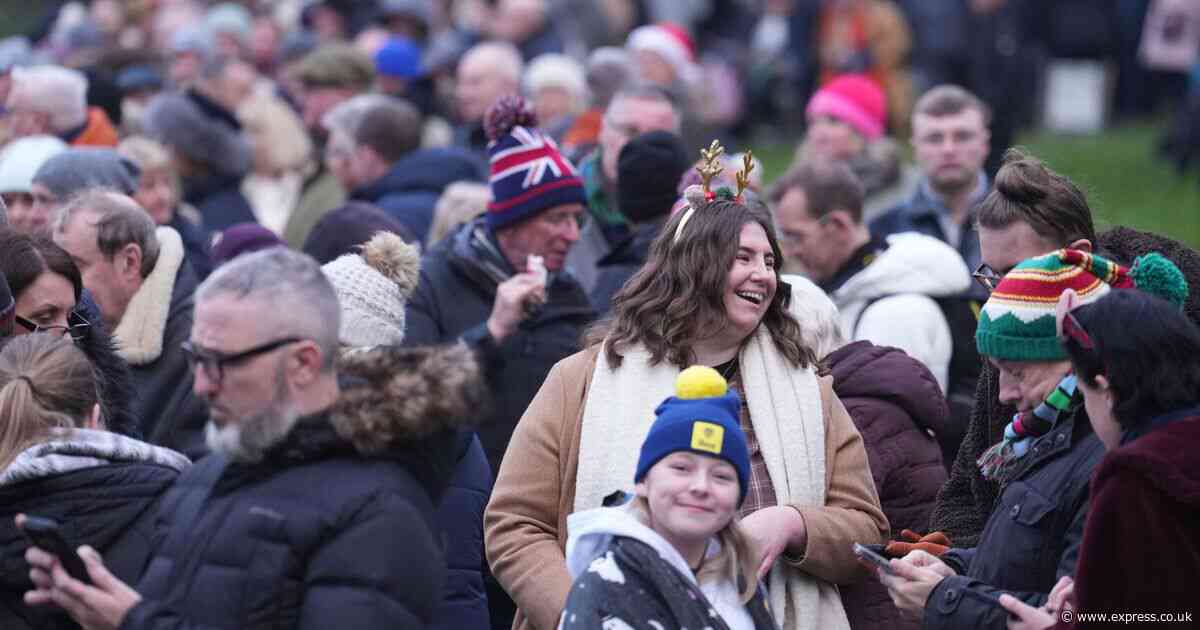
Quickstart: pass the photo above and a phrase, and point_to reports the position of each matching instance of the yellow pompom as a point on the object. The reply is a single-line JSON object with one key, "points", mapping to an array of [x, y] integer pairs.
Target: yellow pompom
{"points": [[700, 381]]}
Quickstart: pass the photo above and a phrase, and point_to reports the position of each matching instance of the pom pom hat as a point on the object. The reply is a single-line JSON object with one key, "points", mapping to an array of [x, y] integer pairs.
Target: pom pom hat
{"points": [[854, 99], [528, 174], [702, 417], [1018, 321]]}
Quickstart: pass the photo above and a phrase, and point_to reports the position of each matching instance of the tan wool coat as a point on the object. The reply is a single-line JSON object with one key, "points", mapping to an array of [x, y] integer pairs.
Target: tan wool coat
{"points": [[525, 526]]}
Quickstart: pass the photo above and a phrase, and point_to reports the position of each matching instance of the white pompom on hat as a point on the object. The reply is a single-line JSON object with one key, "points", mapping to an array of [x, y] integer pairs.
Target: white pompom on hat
{"points": [[372, 289]]}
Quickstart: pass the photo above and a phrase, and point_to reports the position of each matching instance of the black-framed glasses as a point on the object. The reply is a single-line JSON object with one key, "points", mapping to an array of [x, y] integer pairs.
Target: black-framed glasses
{"points": [[213, 363], [987, 277], [77, 327], [1075, 331]]}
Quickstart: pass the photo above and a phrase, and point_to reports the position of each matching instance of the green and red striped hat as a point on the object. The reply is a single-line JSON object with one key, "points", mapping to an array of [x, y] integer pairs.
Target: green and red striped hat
{"points": [[1017, 323]]}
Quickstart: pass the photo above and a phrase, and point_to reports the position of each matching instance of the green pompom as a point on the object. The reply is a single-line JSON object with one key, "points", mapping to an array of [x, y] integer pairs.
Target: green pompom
{"points": [[1155, 274], [725, 193]]}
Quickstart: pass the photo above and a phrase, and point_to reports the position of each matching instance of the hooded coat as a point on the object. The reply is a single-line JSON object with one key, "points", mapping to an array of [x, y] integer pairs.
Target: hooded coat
{"points": [[411, 188], [895, 404], [334, 527], [890, 300], [102, 489], [624, 571], [964, 503]]}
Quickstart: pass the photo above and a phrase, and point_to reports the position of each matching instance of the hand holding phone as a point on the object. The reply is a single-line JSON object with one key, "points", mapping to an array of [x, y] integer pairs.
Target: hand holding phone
{"points": [[873, 558], [44, 533]]}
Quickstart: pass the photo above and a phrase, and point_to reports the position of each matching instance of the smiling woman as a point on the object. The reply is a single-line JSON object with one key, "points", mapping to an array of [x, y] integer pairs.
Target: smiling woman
{"points": [[709, 294]]}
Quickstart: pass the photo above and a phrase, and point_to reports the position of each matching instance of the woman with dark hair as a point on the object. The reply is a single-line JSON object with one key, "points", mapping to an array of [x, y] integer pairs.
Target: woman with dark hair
{"points": [[709, 294], [1137, 361], [58, 462], [49, 295]]}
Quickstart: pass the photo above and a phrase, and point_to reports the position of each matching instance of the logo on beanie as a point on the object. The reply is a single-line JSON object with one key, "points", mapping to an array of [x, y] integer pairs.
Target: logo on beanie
{"points": [[707, 437]]}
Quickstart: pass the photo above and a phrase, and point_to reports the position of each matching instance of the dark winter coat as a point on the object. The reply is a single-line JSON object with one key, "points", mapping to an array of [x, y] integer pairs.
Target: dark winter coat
{"points": [[114, 379], [619, 265], [966, 500], [453, 301], [895, 402], [334, 528], [411, 188], [460, 519], [171, 414], [102, 489], [195, 245], [1140, 551], [219, 200], [1032, 537]]}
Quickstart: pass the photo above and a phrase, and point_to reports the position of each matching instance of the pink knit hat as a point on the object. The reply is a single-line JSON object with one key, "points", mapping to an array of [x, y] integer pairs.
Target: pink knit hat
{"points": [[854, 99]]}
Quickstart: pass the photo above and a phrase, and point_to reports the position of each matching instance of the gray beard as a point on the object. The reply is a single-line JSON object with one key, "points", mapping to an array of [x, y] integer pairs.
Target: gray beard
{"points": [[247, 440]]}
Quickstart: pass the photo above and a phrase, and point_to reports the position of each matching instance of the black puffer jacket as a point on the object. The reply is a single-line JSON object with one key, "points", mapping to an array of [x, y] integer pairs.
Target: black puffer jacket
{"points": [[964, 503], [113, 377], [895, 402], [102, 489], [334, 528], [460, 519]]}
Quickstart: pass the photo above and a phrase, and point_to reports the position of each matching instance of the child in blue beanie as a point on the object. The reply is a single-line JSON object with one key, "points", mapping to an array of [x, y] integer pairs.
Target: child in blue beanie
{"points": [[673, 557]]}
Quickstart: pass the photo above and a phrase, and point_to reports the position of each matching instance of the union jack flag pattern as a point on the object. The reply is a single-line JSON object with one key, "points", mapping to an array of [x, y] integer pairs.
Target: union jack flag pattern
{"points": [[529, 175]]}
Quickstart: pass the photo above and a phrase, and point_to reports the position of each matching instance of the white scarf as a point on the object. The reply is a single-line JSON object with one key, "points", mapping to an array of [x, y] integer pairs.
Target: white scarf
{"points": [[786, 414]]}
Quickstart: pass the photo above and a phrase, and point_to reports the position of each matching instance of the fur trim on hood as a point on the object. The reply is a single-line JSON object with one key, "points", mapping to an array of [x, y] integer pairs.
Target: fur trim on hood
{"points": [[139, 335], [399, 395]]}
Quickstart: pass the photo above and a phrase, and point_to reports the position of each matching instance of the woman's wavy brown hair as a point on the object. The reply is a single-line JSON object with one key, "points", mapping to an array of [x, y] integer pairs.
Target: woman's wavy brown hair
{"points": [[677, 297]]}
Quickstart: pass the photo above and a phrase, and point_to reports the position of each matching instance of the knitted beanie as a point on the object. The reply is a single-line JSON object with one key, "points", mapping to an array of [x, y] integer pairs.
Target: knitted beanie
{"points": [[670, 41], [23, 157], [74, 170], [1018, 321], [648, 168], [528, 174], [372, 288], [854, 99], [243, 238], [702, 417], [399, 58]]}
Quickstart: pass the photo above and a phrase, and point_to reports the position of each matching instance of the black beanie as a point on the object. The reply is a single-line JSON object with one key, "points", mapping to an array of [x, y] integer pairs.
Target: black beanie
{"points": [[648, 173]]}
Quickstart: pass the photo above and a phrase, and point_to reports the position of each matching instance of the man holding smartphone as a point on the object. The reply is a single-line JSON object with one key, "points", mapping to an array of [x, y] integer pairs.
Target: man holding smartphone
{"points": [[316, 507]]}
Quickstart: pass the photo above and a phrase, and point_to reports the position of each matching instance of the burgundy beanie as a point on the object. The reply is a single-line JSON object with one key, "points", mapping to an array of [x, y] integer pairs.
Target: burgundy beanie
{"points": [[243, 238], [854, 99]]}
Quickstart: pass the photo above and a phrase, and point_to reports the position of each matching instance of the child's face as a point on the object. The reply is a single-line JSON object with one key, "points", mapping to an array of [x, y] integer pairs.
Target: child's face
{"points": [[691, 497]]}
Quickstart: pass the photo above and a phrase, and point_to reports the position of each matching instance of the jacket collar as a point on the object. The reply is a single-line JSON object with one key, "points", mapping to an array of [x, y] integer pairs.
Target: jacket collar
{"points": [[139, 335], [927, 203]]}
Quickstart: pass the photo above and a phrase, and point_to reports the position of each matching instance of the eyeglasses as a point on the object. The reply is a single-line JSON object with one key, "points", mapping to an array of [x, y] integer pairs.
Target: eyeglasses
{"points": [[213, 363], [1074, 331], [77, 329], [987, 277]]}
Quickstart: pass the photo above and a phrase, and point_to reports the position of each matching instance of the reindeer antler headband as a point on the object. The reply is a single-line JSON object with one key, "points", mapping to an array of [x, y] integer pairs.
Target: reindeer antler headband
{"points": [[698, 197]]}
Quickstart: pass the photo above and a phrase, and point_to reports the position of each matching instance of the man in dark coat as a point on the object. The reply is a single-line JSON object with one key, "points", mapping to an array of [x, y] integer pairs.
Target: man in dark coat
{"points": [[316, 508], [499, 284], [375, 152], [143, 286], [895, 402]]}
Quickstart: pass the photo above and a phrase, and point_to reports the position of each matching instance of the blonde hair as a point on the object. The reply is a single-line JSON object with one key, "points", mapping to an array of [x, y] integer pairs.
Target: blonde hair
{"points": [[288, 147], [738, 560], [46, 383], [459, 203], [147, 154]]}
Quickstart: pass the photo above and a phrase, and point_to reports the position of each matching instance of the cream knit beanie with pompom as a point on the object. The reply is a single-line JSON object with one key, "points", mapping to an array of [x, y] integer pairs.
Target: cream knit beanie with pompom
{"points": [[372, 288]]}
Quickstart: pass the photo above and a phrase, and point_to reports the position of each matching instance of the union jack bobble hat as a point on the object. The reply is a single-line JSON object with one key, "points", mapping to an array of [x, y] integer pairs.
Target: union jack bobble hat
{"points": [[528, 174]]}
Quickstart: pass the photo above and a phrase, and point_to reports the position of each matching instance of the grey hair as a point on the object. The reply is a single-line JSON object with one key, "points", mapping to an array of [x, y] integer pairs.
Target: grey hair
{"points": [[504, 58], [59, 92], [644, 91], [119, 222], [299, 299], [347, 117], [608, 69]]}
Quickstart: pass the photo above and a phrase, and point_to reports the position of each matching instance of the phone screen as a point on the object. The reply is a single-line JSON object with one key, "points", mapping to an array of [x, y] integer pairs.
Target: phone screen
{"points": [[873, 558], [44, 533]]}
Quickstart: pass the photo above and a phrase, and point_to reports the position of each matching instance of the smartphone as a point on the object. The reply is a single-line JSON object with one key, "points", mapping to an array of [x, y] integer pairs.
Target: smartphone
{"points": [[43, 533], [873, 558]]}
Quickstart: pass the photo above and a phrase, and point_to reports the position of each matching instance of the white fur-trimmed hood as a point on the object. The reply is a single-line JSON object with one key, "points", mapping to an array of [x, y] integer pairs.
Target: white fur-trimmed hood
{"points": [[139, 335]]}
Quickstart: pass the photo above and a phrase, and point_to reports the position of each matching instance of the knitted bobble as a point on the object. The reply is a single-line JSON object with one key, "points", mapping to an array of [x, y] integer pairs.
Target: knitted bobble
{"points": [[1155, 274], [695, 197], [700, 381], [508, 112]]}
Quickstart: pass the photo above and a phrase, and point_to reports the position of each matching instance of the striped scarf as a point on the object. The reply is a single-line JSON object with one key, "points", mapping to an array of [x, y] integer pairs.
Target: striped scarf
{"points": [[997, 461]]}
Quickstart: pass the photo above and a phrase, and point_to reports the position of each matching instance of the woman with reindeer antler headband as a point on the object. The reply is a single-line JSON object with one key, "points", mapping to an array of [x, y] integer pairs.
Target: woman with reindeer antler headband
{"points": [[709, 294]]}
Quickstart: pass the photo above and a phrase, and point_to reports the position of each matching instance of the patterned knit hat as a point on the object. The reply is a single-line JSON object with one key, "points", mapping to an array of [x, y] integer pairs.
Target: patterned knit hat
{"points": [[854, 99], [529, 175], [372, 289], [702, 417], [1018, 323]]}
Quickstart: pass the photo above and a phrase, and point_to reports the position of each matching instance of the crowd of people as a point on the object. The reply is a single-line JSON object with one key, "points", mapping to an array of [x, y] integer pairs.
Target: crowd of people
{"points": [[454, 314]]}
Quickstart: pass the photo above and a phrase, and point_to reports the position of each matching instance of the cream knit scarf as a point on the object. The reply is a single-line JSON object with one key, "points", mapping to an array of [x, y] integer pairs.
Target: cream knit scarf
{"points": [[785, 411]]}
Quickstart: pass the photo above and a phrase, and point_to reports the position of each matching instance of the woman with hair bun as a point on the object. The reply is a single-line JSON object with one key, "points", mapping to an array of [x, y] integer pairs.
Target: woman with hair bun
{"points": [[58, 462], [710, 294]]}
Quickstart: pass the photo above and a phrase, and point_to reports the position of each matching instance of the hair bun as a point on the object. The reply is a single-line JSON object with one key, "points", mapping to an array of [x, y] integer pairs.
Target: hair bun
{"points": [[1156, 274], [508, 112], [1023, 178]]}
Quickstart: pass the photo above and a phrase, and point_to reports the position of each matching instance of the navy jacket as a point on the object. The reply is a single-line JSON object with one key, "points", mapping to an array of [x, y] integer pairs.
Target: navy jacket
{"points": [[219, 200], [410, 190], [460, 518]]}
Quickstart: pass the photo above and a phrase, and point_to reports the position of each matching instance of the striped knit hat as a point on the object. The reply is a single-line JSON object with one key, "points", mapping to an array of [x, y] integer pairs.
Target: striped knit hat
{"points": [[529, 175], [1018, 323]]}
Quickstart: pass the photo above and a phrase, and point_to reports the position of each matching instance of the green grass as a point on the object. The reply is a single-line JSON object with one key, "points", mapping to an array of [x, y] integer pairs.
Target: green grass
{"points": [[1126, 183]]}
